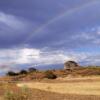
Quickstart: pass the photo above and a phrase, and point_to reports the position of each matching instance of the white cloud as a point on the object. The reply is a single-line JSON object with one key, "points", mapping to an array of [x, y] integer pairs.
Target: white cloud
{"points": [[31, 56], [11, 21], [98, 30], [9, 58], [39, 57], [91, 36], [27, 55], [85, 36]]}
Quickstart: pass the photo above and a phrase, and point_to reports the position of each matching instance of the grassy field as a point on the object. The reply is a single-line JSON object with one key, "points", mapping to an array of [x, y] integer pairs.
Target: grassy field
{"points": [[81, 86], [36, 94], [86, 88]]}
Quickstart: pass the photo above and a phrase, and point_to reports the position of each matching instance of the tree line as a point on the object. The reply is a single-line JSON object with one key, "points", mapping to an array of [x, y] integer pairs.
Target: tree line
{"points": [[12, 73]]}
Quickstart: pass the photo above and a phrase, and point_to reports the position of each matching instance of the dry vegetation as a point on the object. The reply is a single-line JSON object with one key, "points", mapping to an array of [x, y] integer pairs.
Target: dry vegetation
{"points": [[80, 84], [69, 86], [53, 90], [36, 75]]}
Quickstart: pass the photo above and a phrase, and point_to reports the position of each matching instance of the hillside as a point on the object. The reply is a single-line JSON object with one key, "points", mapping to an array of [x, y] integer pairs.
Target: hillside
{"points": [[53, 74]]}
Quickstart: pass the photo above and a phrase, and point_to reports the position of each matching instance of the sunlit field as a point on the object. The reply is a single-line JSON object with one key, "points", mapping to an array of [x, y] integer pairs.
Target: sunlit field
{"points": [[80, 87], [83, 88]]}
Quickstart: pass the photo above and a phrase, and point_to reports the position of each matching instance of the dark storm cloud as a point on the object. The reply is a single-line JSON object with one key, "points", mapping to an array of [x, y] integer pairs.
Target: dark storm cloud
{"points": [[76, 17]]}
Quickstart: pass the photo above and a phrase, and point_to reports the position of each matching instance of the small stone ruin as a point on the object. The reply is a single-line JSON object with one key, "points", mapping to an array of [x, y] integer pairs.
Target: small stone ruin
{"points": [[70, 65]]}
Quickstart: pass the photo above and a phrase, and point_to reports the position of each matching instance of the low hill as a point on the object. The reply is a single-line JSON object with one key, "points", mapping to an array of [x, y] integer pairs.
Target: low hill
{"points": [[51, 74]]}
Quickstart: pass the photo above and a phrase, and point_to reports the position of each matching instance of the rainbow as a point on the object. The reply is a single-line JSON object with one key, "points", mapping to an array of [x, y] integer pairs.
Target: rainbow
{"points": [[60, 16]]}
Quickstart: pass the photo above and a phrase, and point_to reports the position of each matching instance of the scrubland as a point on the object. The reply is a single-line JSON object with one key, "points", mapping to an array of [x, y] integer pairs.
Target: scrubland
{"points": [[81, 84]]}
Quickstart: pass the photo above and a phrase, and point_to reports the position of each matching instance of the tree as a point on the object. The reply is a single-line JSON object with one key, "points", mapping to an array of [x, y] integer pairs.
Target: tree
{"points": [[23, 72], [32, 69], [11, 73]]}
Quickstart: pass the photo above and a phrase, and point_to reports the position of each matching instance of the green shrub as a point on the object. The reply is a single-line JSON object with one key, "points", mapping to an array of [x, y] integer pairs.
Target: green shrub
{"points": [[11, 73], [50, 75], [24, 94], [32, 69], [23, 72]]}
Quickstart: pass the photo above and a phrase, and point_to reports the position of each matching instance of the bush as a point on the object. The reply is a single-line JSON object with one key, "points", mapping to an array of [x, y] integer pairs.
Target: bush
{"points": [[50, 75], [23, 72], [32, 69], [23, 94], [11, 73]]}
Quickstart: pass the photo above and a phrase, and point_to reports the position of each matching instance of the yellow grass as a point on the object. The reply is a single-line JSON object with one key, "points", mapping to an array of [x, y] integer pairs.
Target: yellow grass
{"points": [[82, 88]]}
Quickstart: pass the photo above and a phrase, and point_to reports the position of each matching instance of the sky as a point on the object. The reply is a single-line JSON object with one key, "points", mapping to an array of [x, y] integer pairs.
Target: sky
{"points": [[48, 32]]}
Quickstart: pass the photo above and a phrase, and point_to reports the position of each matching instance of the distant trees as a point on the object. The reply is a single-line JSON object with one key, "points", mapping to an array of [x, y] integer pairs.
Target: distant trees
{"points": [[30, 70], [11, 73], [23, 72], [33, 73]]}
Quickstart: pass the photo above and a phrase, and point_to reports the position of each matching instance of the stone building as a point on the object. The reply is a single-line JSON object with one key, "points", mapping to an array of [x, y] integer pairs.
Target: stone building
{"points": [[70, 65]]}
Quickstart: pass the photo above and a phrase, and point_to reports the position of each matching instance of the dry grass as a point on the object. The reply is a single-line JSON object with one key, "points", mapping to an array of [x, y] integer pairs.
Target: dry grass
{"points": [[87, 88], [37, 94], [45, 95], [78, 87]]}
